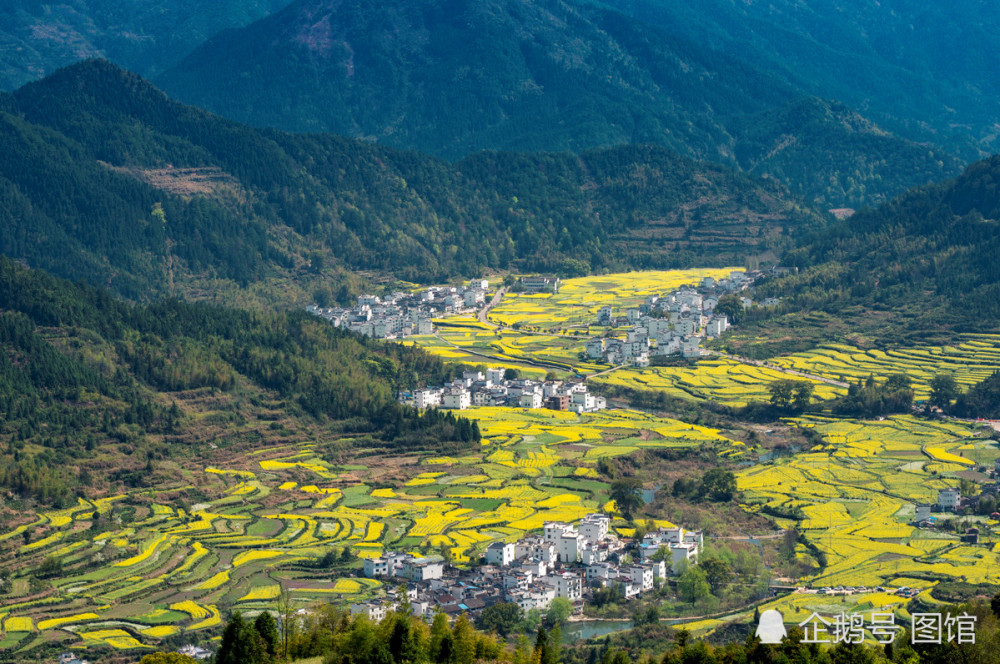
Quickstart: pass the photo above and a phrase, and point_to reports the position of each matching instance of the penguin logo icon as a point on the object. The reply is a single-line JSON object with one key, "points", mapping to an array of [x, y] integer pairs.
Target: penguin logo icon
{"points": [[771, 628]]}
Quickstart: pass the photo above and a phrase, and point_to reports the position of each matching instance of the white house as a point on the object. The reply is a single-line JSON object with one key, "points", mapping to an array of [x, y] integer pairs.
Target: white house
{"points": [[375, 612], [640, 576], [603, 571], [495, 374], [536, 548], [426, 398], [567, 586], [421, 569], [949, 499], [594, 527], [457, 399], [595, 348], [690, 347], [500, 553], [373, 567], [569, 545], [686, 552], [530, 400]]}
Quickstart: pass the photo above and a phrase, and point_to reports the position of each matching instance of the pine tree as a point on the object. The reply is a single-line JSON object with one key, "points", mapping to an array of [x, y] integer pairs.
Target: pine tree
{"points": [[268, 630]]}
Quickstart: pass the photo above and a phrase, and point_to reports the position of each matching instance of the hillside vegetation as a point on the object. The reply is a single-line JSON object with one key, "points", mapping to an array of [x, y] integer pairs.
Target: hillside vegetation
{"points": [[454, 77], [921, 266], [157, 198], [924, 70], [96, 393], [38, 38]]}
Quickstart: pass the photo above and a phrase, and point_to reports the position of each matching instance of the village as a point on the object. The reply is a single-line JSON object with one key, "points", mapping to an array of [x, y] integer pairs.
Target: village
{"points": [[498, 386], [402, 314], [671, 325], [564, 561]]}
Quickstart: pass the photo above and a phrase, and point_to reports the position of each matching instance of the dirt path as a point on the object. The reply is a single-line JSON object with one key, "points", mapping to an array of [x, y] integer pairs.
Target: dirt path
{"points": [[791, 372], [492, 303]]}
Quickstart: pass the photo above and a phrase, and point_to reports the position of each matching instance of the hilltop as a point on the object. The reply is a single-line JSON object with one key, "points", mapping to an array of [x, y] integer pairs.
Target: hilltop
{"points": [[159, 198], [452, 78]]}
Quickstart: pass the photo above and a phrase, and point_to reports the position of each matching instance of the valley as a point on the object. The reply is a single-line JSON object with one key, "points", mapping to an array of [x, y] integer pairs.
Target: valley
{"points": [[252, 525]]}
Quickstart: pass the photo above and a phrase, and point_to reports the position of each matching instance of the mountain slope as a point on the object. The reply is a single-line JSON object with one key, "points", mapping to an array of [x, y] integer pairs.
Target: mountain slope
{"points": [[86, 379], [925, 70], [848, 158], [921, 266], [38, 38], [452, 77], [155, 195]]}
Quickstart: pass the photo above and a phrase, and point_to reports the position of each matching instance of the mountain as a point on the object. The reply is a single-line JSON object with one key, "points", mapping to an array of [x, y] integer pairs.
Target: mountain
{"points": [[450, 77], [37, 38], [845, 157], [921, 266], [924, 70], [157, 198], [90, 386]]}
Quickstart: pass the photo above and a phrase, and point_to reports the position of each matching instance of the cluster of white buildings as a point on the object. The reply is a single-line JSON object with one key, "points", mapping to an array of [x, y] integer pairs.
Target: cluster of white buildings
{"points": [[568, 561], [492, 388], [673, 324], [403, 314], [404, 566]]}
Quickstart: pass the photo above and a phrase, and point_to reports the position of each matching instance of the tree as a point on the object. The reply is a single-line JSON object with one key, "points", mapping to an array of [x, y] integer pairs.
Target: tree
{"points": [[649, 615], [943, 390], [627, 494], [559, 611], [719, 484], [268, 630], [167, 658], [241, 644], [802, 395], [717, 573], [693, 585], [782, 392], [286, 610], [502, 618]]}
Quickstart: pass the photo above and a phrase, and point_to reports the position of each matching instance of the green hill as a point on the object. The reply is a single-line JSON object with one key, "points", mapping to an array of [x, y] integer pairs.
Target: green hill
{"points": [[826, 152], [925, 71], [97, 394], [452, 77], [108, 180], [920, 266], [36, 38]]}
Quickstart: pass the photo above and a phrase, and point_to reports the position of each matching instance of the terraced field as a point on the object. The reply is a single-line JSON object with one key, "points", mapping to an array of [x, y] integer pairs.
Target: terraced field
{"points": [[717, 379], [177, 565], [156, 563], [853, 498], [971, 359], [576, 304]]}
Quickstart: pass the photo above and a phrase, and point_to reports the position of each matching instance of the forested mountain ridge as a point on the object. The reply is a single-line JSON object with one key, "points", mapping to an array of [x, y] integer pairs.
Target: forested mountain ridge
{"points": [[452, 77], [107, 179], [926, 71], [97, 394], [37, 38], [922, 265], [847, 157]]}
